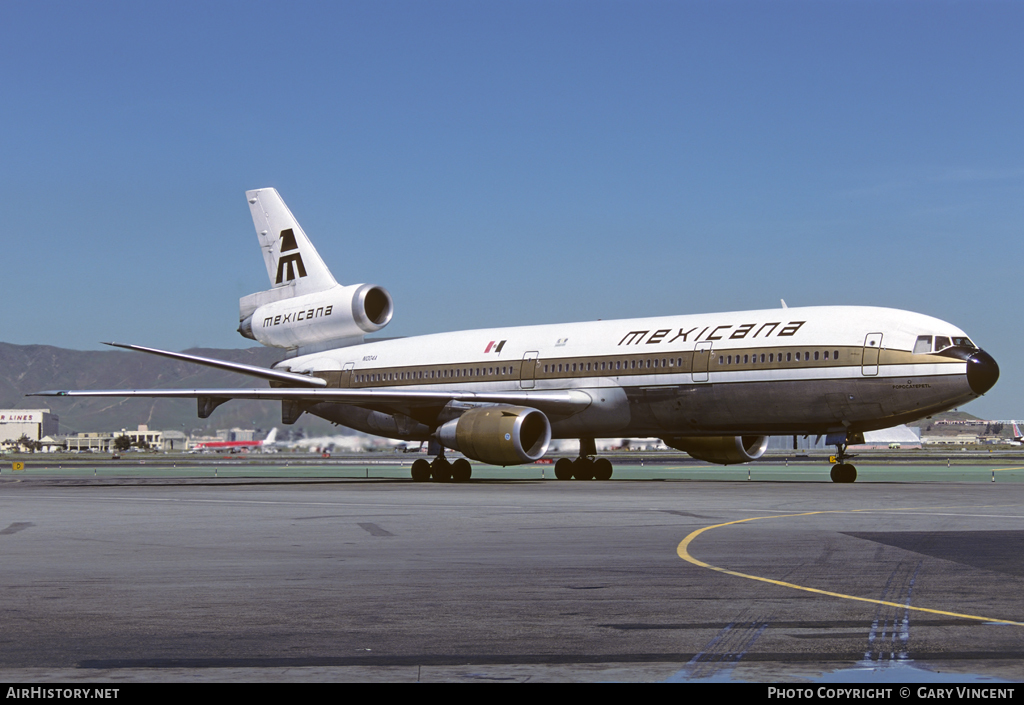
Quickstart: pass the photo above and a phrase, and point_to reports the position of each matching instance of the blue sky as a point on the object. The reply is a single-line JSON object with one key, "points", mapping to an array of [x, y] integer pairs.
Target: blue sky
{"points": [[506, 163]]}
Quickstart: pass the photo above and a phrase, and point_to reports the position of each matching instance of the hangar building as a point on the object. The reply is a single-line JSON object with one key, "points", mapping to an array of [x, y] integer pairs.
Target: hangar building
{"points": [[34, 423]]}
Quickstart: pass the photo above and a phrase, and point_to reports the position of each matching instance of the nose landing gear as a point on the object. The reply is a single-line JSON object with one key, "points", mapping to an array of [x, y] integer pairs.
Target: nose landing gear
{"points": [[843, 471]]}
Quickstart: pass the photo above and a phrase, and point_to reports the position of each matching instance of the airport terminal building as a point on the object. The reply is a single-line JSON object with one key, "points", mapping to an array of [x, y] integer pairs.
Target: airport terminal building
{"points": [[103, 441]]}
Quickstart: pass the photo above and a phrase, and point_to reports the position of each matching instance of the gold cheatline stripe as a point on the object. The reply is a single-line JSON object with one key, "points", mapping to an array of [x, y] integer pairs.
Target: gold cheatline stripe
{"points": [[683, 552], [898, 358]]}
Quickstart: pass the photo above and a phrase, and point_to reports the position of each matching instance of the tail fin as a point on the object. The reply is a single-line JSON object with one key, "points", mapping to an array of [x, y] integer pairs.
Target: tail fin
{"points": [[271, 437], [305, 310], [291, 259]]}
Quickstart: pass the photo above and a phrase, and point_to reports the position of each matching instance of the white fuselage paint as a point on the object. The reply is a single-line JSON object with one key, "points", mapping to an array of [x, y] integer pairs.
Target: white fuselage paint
{"points": [[860, 391]]}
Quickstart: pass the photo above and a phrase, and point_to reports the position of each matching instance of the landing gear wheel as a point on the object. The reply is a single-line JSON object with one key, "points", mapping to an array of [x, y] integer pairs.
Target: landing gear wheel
{"points": [[843, 472], [563, 469], [420, 470], [583, 469], [441, 470], [602, 469], [461, 470]]}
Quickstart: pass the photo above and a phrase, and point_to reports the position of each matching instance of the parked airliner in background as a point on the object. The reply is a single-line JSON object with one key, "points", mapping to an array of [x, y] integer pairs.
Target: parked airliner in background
{"points": [[714, 385], [233, 446], [1017, 434]]}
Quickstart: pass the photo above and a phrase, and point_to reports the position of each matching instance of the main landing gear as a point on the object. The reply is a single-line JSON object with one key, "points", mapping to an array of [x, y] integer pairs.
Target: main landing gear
{"points": [[440, 470], [843, 471], [585, 467]]}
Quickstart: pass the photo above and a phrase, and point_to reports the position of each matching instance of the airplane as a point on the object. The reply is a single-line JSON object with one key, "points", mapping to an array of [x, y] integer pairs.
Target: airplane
{"points": [[714, 385], [233, 446], [1017, 436]]}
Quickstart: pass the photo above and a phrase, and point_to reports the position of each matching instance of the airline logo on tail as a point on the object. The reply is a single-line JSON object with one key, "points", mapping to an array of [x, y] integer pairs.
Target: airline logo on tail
{"points": [[285, 270]]}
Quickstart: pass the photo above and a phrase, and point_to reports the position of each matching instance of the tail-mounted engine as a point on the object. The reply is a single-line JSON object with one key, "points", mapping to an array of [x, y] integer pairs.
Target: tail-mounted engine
{"points": [[724, 450], [339, 316], [498, 435]]}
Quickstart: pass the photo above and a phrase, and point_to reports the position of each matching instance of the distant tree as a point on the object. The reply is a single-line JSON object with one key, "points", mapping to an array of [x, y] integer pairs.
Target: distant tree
{"points": [[28, 444], [141, 444], [122, 443]]}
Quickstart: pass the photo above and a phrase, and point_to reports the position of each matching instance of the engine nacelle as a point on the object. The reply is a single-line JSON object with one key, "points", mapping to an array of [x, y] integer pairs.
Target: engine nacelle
{"points": [[498, 435], [340, 315], [724, 450]]}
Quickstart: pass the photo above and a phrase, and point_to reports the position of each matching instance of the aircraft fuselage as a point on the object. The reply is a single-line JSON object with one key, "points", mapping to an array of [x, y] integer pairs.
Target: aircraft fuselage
{"points": [[771, 372]]}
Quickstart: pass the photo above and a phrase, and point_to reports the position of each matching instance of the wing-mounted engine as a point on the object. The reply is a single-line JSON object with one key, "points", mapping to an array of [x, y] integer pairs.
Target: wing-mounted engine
{"points": [[724, 450], [339, 316], [498, 435]]}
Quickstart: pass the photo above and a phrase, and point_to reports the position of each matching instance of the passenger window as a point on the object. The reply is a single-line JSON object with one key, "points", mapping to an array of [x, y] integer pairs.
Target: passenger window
{"points": [[815, 355]]}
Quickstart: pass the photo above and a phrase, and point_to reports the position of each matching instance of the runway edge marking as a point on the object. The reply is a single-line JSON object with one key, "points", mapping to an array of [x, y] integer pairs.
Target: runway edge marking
{"points": [[682, 550]]}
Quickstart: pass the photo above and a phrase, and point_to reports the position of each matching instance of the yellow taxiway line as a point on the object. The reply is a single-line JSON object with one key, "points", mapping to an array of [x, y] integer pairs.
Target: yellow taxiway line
{"points": [[683, 551]]}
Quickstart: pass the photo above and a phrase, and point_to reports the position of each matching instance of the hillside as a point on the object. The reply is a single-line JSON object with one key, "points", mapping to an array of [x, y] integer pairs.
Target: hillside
{"points": [[33, 368]]}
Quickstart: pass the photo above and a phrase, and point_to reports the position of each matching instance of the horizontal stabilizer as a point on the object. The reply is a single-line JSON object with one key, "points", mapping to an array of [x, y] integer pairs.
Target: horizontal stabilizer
{"points": [[251, 370]]}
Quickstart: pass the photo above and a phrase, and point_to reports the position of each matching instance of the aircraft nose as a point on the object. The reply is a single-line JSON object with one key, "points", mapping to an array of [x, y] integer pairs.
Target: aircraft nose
{"points": [[982, 372]]}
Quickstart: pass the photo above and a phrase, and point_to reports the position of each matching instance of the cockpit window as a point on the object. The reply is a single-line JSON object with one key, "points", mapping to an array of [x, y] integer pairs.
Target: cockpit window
{"points": [[941, 343], [963, 343], [923, 344]]}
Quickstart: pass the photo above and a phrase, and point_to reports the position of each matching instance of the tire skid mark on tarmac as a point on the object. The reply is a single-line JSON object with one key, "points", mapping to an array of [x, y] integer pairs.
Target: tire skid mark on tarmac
{"points": [[717, 660], [889, 637], [683, 551]]}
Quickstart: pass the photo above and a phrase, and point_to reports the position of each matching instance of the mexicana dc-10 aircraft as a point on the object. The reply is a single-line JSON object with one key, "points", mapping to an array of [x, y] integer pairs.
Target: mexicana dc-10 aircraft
{"points": [[714, 385]]}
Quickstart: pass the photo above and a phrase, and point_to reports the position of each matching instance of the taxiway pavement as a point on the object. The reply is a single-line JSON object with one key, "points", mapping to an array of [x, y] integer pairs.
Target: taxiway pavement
{"points": [[509, 580]]}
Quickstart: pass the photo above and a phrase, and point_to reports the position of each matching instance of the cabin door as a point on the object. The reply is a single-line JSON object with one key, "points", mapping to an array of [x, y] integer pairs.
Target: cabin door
{"points": [[529, 372], [701, 360], [869, 360]]}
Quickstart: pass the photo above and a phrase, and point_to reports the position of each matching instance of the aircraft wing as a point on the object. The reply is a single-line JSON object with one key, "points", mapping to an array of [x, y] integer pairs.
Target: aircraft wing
{"points": [[311, 390], [555, 402]]}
